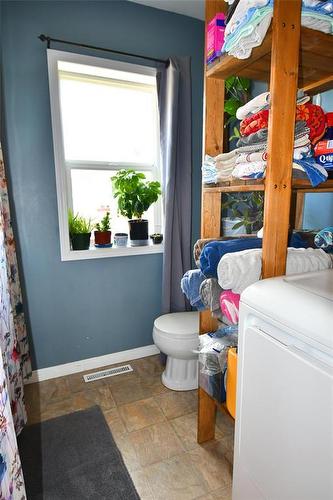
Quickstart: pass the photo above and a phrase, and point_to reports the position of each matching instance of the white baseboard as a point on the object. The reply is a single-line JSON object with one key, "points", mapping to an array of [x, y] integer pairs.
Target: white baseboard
{"points": [[91, 363]]}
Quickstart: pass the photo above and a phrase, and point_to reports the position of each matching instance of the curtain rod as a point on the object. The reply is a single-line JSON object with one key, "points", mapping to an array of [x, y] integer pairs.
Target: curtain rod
{"points": [[48, 40]]}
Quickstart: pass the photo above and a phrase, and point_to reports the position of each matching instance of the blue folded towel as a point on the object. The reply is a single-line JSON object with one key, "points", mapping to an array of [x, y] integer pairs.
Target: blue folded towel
{"points": [[214, 251], [324, 239], [190, 285]]}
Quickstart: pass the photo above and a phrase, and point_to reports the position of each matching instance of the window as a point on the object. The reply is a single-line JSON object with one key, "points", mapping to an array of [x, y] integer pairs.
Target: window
{"points": [[104, 118]]}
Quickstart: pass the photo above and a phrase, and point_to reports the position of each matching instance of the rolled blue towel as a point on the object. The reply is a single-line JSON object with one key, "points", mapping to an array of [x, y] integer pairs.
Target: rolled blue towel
{"points": [[190, 285], [214, 251]]}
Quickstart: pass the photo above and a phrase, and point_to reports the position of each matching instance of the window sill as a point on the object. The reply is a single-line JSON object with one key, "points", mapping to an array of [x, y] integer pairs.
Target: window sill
{"points": [[102, 253]]}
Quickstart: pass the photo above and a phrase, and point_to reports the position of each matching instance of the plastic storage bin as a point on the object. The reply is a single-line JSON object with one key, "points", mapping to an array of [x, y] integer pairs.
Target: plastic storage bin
{"points": [[213, 384], [231, 381]]}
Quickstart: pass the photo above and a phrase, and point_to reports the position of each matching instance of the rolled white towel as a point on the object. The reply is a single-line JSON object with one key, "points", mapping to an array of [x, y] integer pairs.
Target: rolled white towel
{"points": [[236, 271], [239, 270]]}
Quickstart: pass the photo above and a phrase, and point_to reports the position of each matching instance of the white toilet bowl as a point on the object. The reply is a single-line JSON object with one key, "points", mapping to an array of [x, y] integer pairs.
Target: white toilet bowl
{"points": [[176, 335]]}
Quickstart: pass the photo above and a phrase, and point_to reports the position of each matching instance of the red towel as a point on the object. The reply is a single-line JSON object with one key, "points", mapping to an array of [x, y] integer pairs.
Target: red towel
{"points": [[312, 114]]}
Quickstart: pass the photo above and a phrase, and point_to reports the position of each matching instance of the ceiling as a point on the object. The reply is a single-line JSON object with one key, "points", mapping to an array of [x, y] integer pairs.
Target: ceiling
{"points": [[191, 8]]}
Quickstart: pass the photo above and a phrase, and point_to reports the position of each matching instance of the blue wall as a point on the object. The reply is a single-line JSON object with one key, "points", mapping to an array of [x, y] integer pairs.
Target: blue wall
{"points": [[85, 308]]}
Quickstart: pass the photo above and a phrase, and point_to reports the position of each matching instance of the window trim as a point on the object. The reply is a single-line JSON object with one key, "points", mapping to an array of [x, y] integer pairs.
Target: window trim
{"points": [[62, 172]]}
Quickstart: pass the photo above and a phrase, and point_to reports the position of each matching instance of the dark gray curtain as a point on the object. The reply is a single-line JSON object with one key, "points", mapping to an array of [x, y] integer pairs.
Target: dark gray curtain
{"points": [[174, 98]]}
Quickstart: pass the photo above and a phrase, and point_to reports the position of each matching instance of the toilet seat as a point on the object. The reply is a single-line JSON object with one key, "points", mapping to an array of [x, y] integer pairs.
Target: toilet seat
{"points": [[180, 325]]}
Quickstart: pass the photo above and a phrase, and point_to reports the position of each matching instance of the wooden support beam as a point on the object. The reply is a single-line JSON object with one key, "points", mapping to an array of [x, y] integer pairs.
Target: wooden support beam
{"points": [[319, 86], [283, 88], [211, 214], [206, 417], [211, 209]]}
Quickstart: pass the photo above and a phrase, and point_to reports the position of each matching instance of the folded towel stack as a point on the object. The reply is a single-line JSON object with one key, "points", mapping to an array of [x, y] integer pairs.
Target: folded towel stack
{"points": [[249, 159], [248, 25], [251, 154], [218, 169]]}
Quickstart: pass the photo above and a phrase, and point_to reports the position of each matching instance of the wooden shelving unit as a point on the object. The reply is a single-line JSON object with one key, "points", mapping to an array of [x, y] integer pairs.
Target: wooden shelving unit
{"points": [[290, 57], [314, 71]]}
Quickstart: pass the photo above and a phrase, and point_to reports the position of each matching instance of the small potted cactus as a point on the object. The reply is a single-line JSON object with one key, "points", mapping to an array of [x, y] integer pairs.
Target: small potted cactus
{"points": [[102, 231]]}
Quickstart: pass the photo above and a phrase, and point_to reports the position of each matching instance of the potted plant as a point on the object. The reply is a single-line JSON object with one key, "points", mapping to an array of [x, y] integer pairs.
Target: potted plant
{"points": [[135, 195], [102, 231], [79, 231], [157, 238], [243, 211], [237, 94]]}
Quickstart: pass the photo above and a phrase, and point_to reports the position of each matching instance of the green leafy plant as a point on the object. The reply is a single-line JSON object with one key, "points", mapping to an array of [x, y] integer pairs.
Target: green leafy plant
{"points": [[134, 194], [237, 94], [248, 207], [104, 224], [78, 224]]}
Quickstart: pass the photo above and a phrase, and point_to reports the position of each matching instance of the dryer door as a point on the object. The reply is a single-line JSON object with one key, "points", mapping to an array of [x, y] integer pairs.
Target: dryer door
{"points": [[284, 428]]}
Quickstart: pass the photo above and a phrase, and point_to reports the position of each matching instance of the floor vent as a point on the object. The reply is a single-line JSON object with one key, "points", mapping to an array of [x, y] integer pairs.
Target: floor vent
{"points": [[110, 372]]}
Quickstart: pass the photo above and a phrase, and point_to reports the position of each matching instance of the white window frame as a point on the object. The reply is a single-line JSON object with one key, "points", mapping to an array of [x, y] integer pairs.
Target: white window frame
{"points": [[63, 173]]}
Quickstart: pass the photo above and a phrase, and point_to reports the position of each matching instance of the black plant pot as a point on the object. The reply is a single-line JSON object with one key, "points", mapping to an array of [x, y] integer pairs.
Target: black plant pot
{"points": [[138, 229], [80, 241]]}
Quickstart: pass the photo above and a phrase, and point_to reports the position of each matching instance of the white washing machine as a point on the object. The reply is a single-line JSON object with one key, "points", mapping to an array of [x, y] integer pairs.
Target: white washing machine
{"points": [[284, 414]]}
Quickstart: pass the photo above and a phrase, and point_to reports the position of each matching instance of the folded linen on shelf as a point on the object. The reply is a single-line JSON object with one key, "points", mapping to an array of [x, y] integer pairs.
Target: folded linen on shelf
{"points": [[250, 21], [256, 104], [254, 123], [210, 292], [198, 246], [250, 170], [213, 251], [209, 172], [324, 239], [252, 35], [314, 117], [229, 303], [237, 271], [317, 21], [321, 6], [253, 156], [262, 101], [258, 140], [190, 285], [310, 167], [218, 168]]}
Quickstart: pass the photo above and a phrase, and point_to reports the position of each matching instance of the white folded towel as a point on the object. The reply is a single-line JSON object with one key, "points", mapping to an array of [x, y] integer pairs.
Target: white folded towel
{"points": [[236, 271], [253, 106]]}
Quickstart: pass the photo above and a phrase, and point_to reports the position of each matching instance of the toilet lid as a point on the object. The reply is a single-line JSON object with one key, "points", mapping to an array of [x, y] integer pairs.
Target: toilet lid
{"points": [[181, 324]]}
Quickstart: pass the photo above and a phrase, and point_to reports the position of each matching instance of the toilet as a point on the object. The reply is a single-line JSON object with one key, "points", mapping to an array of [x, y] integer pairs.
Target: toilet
{"points": [[177, 336]]}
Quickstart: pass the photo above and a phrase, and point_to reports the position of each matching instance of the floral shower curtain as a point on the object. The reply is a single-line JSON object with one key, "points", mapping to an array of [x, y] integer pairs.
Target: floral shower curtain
{"points": [[14, 354]]}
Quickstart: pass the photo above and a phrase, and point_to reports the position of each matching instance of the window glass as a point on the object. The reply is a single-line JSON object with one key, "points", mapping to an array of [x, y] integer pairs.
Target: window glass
{"points": [[106, 120], [92, 198]]}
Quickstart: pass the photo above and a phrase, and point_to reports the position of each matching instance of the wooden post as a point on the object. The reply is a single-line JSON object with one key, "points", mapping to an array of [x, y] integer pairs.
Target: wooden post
{"points": [[283, 88], [211, 209], [213, 145], [206, 417]]}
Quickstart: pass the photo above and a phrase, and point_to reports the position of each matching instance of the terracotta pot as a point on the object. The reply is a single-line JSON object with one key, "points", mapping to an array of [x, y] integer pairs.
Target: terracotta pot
{"points": [[102, 237]]}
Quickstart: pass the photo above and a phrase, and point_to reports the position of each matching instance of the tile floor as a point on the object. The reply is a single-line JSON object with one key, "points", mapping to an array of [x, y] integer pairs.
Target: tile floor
{"points": [[154, 428]]}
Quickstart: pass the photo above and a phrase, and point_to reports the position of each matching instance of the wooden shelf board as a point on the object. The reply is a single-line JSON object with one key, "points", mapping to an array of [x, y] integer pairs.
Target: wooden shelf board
{"points": [[315, 69], [238, 186]]}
